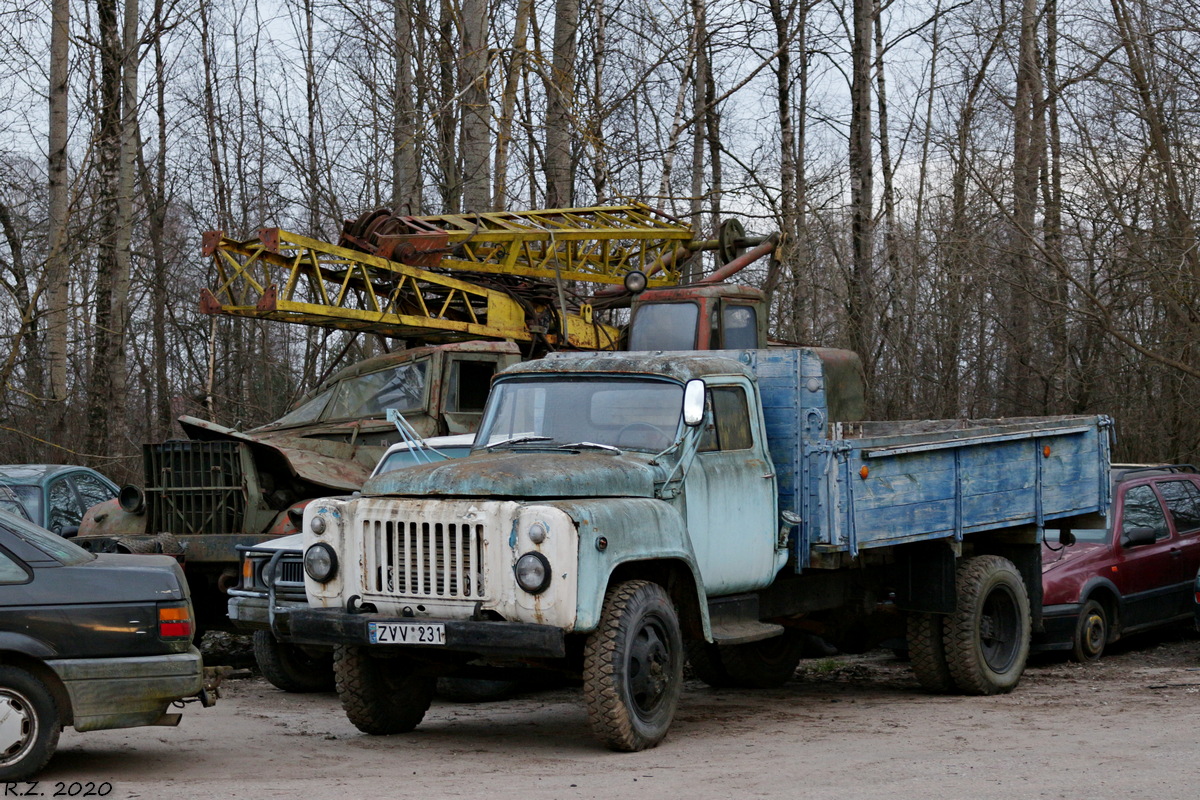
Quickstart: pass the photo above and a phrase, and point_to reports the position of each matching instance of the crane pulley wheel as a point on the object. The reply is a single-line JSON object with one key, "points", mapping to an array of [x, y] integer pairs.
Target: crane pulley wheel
{"points": [[731, 240]]}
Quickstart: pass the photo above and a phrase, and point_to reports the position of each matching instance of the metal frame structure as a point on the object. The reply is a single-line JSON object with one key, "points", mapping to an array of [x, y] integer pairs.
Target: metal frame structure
{"points": [[284, 276]]}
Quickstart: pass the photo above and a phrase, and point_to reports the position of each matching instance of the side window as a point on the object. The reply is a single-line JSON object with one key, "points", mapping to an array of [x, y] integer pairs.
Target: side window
{"points": [[11, 570], [1142, 510], [740, 324], [469, 385], [91, 489], [1183, 501], [729, 427], [64, 505]]}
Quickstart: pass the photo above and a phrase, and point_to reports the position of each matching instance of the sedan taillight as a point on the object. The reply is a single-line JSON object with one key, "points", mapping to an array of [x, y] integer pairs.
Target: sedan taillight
{"points": [[174, 621]]}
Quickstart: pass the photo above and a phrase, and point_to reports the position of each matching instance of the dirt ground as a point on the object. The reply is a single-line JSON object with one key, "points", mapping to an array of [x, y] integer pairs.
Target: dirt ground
{"points": [[847, 727]]}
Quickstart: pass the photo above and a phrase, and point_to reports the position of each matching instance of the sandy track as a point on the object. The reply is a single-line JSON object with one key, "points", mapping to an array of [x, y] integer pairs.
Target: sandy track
{"points": [[846, 728]]}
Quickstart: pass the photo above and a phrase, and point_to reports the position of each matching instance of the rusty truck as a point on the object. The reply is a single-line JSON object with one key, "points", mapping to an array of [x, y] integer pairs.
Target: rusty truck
{"points": [[621, 512]]}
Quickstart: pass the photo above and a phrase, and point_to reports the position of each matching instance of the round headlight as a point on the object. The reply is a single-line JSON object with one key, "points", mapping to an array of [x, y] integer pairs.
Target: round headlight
{"points": [[317, 525], [537, 532], [533, 572], [320, 563]]}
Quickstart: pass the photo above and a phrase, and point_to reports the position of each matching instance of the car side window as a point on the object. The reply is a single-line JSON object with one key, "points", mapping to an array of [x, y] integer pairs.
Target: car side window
{"points": [[11, 570], [64, 505], [1142, 510], [92, 489], [730, 421], [1183, 501]]}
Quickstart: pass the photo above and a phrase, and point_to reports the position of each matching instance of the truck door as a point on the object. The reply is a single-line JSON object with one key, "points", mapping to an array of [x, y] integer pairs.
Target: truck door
{"points": [[731, 496]]}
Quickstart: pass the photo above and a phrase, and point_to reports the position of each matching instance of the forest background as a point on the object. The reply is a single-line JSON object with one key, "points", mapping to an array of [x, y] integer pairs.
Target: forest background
{"points": [[994, 203]]}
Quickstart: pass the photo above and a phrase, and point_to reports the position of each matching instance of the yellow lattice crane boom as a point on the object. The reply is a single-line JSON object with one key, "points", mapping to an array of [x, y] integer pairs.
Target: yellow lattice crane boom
{"points": [[451, 277]]}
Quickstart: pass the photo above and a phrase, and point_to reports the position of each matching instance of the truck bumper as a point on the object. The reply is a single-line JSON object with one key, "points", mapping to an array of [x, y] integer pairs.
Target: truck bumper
{"points": [[1059, 623], [253, 613], [128, 692], [328, 626]]}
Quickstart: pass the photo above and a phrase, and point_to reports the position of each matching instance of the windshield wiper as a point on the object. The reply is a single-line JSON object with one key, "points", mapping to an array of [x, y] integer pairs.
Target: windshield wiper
{"points": [[518, 440], [589, 445]]}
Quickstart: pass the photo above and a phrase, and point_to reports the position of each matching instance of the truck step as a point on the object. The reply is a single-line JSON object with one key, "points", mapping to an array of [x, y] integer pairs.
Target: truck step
{"points": [[743, 631]]}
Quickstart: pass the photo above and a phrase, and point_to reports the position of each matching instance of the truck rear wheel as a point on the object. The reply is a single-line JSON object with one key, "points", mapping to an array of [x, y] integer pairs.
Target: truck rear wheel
{"points": [[987, 636], [766, 664], [292, 668], [633, 667], [380, 696], [927, 652]]}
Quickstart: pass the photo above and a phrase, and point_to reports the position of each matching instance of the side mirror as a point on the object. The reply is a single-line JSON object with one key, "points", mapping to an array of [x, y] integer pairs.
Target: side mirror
{"points": [[1066, 538], [1138, 536], [693, 403]]}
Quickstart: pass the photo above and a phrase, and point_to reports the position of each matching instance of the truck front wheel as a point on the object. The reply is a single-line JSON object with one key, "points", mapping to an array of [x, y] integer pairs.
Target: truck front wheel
{"points": [[380, 696], [633, 667], [987, 636], [290, 667]]}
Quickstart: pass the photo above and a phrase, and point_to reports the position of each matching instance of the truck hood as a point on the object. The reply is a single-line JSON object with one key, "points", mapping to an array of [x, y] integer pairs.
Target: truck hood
{"points": [[524, 474], [328, 464]]}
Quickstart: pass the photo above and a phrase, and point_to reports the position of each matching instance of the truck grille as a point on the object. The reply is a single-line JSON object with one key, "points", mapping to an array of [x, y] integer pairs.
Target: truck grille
{"points": [[194, 487], [290, 570], [423, 559]]}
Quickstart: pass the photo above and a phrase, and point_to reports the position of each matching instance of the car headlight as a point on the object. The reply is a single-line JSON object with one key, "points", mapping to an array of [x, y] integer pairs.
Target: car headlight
{"points": [[533, 572], [320, 563]]}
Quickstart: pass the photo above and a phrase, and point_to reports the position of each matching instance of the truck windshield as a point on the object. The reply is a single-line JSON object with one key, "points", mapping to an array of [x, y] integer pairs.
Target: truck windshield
{"points": [[401, 388], [627, 413]]}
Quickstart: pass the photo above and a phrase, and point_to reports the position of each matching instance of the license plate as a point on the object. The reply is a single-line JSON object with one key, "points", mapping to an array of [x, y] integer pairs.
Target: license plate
{"points": [[406, 632]]}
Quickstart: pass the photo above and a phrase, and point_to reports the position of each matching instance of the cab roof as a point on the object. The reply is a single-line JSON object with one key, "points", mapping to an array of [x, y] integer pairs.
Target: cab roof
{"points": [[682, 366]]}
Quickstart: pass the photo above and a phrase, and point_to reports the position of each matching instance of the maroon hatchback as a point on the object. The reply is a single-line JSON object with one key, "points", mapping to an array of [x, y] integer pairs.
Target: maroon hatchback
{"points": [[1134, 574]]}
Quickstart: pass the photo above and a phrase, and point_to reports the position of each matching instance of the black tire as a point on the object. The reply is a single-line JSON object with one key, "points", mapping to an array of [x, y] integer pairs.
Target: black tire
{"points": [[707, 665], [293, 668], [380, 696], [766, 664], [29, 724], [987, 636], [633, 667], [475, 690], [1091, 633], [927, 652]]}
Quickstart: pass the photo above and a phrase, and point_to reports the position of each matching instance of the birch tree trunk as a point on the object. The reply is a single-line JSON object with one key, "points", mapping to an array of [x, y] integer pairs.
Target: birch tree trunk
{"points": [[406, 130], [860, 295], [58, 259], [560, 106], [477, 111]]}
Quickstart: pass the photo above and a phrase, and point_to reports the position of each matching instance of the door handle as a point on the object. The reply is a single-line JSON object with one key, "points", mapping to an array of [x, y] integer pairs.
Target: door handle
{"points": [[768, 476]]}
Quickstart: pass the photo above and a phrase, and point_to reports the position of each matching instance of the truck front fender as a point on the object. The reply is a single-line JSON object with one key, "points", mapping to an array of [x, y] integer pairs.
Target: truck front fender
{"points": [[624, 534]]}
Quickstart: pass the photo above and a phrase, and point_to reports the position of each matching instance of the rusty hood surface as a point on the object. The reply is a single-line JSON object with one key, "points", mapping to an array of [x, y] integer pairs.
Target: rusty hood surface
{"points": [[330, 464], [528, 473]]}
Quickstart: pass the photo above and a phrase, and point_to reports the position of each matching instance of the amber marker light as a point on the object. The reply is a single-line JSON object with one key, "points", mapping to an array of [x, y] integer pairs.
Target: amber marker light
{"points": [[864, 472], [1046, 451], [174, 622]]}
